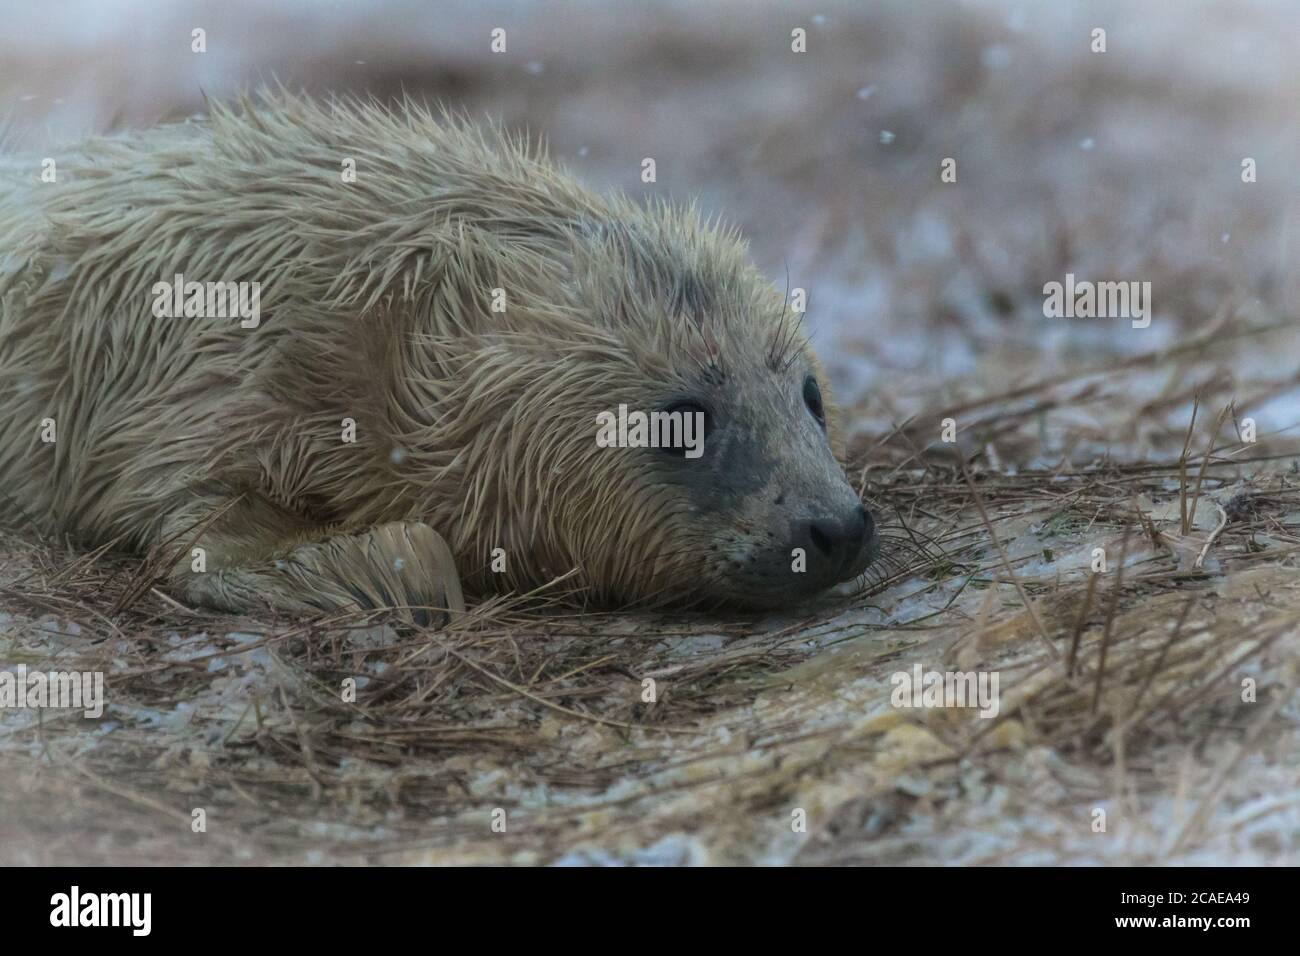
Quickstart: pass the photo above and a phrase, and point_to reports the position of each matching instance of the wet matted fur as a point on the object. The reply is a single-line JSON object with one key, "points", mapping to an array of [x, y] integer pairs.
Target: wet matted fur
{"points": [[474, 428]]}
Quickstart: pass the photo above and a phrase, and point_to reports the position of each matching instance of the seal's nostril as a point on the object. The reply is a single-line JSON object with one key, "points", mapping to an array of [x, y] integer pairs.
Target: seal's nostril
{"points": [[840, 540], [820, 539], [836, 546]]}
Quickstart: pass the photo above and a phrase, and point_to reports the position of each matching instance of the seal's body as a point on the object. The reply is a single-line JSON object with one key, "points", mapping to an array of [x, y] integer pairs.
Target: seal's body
{"points": [[438, 317]]}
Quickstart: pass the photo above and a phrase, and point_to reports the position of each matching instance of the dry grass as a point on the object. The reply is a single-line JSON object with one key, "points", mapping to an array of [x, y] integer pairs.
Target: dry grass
{"points": [[1129, 682]]}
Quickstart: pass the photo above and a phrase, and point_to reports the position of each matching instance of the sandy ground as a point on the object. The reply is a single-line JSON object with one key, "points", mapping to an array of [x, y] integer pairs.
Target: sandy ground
{"points": [[1121, 692]]}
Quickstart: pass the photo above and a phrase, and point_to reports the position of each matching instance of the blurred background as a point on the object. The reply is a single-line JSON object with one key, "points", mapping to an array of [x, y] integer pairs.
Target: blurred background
{"points": [[1122, 165]]}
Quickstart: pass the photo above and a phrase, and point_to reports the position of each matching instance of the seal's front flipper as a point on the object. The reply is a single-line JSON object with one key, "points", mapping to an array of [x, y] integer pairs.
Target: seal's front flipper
{"points": [[403, 566]]}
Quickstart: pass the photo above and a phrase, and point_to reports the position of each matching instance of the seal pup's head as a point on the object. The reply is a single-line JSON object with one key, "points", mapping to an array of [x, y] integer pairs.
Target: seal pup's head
{"points": [[762, 513], [664, 313]]}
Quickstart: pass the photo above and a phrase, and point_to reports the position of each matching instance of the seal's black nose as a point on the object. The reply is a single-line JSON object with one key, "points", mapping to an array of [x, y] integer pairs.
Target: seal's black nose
{"points": [[841, 540]]}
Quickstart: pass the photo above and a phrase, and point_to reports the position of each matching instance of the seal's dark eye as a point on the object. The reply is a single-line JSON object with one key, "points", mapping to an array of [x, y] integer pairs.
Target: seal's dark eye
{"points": [[812, 396], [687, 443]]}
